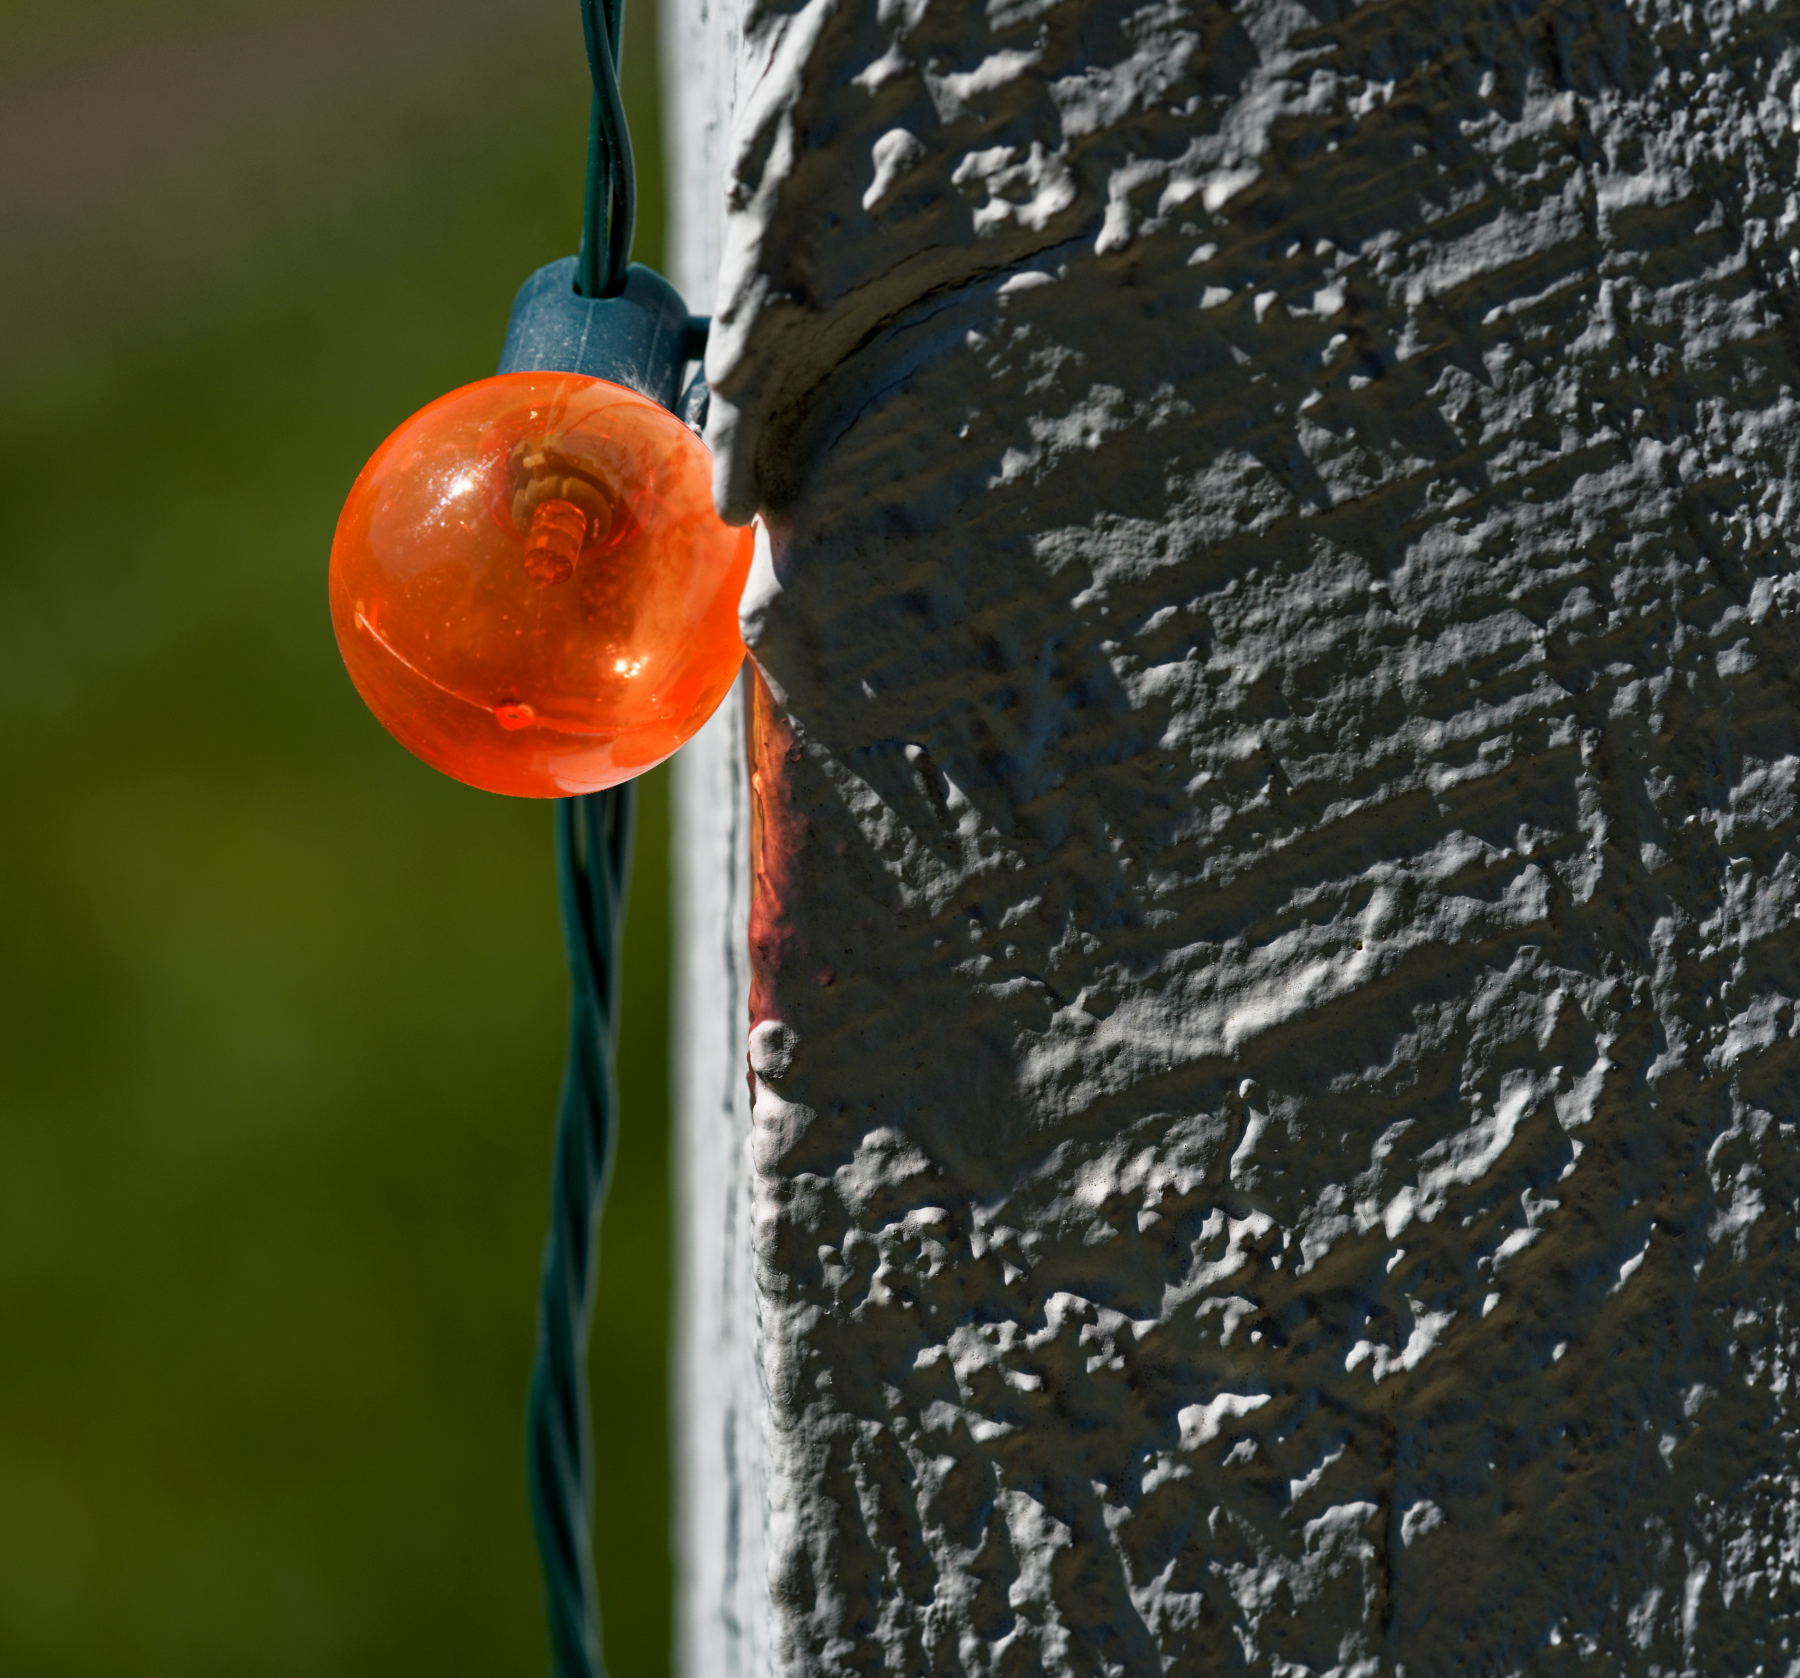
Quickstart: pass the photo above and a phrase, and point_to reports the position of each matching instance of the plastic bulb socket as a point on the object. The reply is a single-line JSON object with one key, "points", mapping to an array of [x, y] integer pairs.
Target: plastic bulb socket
{"points": [[531, 589]]}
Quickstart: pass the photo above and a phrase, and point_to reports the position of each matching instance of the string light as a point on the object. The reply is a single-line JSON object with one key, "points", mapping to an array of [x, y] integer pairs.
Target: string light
{"points": [[531, 589], [532, 592]]}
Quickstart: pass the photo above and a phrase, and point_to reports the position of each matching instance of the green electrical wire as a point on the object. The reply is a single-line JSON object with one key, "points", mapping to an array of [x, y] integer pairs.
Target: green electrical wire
{"points": [[610, 216], [593, 869]]}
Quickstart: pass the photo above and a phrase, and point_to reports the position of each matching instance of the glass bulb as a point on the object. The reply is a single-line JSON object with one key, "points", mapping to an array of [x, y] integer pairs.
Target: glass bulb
{"points": [[531, 589]]}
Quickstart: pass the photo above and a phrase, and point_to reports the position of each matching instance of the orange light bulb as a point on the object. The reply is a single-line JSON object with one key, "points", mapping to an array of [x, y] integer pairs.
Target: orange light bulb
{"points": [[531, 589]]}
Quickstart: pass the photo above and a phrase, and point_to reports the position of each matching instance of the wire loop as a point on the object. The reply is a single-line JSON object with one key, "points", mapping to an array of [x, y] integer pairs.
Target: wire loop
{"points": [[593, 868], [610, 214]]}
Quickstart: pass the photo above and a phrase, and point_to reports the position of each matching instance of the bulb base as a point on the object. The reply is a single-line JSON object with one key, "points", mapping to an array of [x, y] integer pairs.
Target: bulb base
{"points": [[641, 339]]}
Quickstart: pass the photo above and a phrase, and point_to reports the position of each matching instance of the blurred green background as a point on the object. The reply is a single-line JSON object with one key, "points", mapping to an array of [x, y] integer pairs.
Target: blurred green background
{"points": [[281, 1010]]}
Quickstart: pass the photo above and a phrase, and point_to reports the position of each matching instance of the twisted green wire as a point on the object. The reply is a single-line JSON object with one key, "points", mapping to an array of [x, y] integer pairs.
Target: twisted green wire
{"points": [[610, 215], [593, 869]]}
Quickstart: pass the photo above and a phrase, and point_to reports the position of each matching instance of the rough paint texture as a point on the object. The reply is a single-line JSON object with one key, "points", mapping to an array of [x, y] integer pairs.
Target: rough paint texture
{"points": [[1277, 1023], [722, 1612]]}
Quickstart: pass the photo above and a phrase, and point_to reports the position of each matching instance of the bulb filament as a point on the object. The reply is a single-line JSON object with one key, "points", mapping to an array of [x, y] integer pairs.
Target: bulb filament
{"points": [[558, 528]]}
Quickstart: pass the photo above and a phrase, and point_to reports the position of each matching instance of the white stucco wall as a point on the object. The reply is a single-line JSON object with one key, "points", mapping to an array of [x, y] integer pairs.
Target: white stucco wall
{"points": [[1273, 943], [722, 1606]]}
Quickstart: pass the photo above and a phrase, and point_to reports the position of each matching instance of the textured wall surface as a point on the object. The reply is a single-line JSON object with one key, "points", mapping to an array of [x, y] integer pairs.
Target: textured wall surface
{"points": [[718, 1426], [1276, 1011], [722, 1614]]}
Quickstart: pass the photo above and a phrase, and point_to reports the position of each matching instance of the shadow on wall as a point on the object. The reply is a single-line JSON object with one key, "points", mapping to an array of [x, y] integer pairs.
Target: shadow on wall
{"points": [[281, 1011]]}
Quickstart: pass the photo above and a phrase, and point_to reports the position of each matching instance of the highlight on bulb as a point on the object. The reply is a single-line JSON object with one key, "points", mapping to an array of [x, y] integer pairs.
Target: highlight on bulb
{"points": [[531, 589]]}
